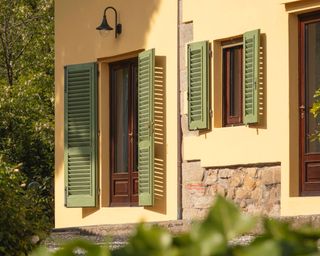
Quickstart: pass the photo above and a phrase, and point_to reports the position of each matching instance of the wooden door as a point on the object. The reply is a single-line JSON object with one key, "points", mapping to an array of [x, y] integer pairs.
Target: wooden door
{"points": [[309, 34], [123, 133]]}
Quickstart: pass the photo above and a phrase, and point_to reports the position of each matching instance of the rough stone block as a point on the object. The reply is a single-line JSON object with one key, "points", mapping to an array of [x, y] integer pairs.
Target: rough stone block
{"points": [[230, 193], [252, 172], [276, 172], [254, 209], [192, 172], [267, 177], [235, 181], [211, 190], [242, 194], [194, 214], [225, 173], [275, 211], [249, 183], [271, 175], [204, 202], [274, 194], [187, 199], [183, 80], [243, 204], [210, 177], [257, 194], [221, 190]]}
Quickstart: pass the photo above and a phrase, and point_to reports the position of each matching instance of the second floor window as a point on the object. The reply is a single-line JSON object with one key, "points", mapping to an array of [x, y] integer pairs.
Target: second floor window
{"points": [[232, 84]]}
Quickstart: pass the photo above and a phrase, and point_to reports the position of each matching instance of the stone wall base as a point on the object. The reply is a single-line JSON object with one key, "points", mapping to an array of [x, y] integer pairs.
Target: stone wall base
{"points": [[255, 188]]}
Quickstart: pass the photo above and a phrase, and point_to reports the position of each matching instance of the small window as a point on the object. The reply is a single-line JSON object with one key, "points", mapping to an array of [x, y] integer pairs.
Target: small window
{"points": [[232, 83]]}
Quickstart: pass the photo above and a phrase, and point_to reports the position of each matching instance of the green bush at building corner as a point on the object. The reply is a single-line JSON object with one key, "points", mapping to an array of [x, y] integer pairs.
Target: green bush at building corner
{"points": [[23, 219]]}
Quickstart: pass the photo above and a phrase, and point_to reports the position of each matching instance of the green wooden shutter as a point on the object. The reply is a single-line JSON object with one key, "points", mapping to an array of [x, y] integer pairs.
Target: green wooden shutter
{"points": [[251, 45], [146, 69], [80, 135], [198, 85]]}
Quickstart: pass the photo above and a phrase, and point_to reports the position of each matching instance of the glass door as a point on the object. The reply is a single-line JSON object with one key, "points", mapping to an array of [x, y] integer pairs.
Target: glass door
{"points": [[123, 133], [309, 84]]}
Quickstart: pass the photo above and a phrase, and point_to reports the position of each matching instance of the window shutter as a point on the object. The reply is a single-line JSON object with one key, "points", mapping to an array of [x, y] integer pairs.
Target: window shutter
{"points": [[251, 45], [198, 85], [80, 135], [146, 69]]}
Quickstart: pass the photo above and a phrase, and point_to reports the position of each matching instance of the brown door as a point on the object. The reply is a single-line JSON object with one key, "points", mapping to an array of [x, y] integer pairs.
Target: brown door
{"points": [[309, 82], [123, 133]]}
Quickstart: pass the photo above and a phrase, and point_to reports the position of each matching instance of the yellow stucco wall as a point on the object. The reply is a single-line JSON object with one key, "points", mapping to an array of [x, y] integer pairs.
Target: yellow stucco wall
{"points": [[146, 24], [275, 138]]}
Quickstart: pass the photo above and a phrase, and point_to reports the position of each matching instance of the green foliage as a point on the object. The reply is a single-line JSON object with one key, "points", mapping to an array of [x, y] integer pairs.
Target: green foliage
{"points": [[27, 90], [208, 238], [22, 220], [26, 122], [315, 110]]}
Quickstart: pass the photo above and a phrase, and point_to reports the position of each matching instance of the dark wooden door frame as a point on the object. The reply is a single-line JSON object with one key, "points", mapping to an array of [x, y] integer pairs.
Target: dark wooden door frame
{"points": [[306, 188], [128, 180]]}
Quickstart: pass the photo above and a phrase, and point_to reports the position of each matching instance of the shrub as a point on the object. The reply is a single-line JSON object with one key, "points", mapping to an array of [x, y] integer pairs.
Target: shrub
{"points": [[23, 217], [210, 237]]}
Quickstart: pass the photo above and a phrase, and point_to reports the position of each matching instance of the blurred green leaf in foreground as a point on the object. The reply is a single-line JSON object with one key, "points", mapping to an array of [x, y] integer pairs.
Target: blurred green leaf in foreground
{"points": [[207, 238]]}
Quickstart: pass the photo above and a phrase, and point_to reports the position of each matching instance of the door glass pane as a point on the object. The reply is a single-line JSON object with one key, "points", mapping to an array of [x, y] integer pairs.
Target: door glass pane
{"points": [[235, 85], [135, 116], [121, 116], [312, 79]]}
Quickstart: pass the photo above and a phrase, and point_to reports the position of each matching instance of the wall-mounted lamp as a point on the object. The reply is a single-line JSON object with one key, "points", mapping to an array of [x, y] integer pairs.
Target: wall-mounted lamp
{"points": [[106, 27]]}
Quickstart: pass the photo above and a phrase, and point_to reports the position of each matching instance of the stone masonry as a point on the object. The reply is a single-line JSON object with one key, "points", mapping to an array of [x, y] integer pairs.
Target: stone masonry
{"points": [[255, 188]]}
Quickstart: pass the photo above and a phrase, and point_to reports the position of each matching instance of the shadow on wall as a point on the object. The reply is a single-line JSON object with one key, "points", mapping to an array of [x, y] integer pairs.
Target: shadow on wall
{"points": [[262, 80], [160, 137], [78, 41]]}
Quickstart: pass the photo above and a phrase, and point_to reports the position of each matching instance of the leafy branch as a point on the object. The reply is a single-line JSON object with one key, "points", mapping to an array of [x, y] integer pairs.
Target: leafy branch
{"points": [[207, 238]]}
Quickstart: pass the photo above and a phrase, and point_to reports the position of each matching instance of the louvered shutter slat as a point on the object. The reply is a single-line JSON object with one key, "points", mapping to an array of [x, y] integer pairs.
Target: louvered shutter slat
{"points": [[198, 85], [146, 67], [80, 135], [251, 47]]}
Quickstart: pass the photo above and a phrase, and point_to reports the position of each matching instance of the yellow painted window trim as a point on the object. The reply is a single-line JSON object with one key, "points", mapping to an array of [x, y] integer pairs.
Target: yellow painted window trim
{"points": [[119, 57], [298, 7]]}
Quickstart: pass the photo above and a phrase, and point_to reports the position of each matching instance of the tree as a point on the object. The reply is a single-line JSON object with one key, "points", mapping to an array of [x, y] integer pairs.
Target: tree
{"points": [[27, 89]]}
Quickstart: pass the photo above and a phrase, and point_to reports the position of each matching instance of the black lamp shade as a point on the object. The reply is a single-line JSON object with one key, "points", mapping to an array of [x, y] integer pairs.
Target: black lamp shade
{"points": [[104, 24]]}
